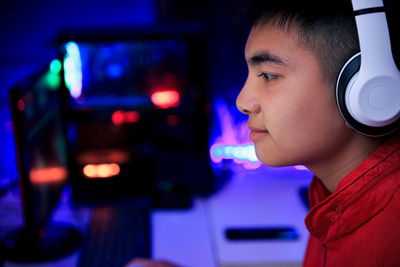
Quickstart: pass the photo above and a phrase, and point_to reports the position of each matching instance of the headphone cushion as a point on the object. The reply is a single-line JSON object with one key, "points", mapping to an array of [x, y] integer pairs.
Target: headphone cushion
{"points": [[350, 69]]}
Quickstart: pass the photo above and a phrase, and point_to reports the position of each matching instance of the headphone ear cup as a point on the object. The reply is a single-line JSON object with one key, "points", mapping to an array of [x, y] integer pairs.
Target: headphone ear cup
{"points": [[343, 85]]}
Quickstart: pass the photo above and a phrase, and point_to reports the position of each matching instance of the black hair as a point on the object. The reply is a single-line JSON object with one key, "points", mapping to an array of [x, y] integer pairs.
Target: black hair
{"points": [[325, 27]]}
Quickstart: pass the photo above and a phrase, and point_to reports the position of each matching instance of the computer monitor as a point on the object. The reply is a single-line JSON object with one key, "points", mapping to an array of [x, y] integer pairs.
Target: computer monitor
{"points": [[137, 109], [43, 170]]}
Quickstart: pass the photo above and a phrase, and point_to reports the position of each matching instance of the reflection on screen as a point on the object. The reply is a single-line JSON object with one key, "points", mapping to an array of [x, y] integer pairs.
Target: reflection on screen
{"points": [[41, 145]]}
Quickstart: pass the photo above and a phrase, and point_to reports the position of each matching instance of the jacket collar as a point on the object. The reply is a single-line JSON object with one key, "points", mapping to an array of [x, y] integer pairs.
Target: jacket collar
{"points": [[363, 193]]}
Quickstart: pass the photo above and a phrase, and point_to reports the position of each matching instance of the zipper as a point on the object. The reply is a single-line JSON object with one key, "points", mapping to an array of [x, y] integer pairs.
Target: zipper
{"points": [[325, 249]]}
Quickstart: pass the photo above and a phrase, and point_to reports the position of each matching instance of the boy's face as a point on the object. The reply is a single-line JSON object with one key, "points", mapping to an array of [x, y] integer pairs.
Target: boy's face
{"points": [[292, 111]]}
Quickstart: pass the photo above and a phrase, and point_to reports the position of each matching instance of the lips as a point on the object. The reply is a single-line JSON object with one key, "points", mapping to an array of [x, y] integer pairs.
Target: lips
{"points": [[257, 133]]}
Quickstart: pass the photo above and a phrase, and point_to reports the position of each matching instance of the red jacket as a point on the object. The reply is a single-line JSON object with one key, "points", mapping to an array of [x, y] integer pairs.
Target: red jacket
{"points": [[358, 224]]}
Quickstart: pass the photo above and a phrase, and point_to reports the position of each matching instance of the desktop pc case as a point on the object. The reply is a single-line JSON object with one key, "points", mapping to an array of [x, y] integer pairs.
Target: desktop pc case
{"points": [[136, 110]]}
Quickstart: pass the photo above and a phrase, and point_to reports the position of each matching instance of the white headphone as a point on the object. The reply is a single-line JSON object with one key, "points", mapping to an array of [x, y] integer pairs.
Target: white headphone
{"points": [[368, 86]]}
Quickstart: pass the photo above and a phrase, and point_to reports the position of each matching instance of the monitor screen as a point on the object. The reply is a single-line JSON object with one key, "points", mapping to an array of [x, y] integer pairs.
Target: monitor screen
{"points": [[41, 145]]}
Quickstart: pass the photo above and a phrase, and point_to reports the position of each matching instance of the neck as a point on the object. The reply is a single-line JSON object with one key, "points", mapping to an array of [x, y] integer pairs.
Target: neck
{"points": [[332, 170]]}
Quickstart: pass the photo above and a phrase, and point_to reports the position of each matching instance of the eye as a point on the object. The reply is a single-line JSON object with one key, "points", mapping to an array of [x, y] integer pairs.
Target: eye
{"points": [[268, 76]]}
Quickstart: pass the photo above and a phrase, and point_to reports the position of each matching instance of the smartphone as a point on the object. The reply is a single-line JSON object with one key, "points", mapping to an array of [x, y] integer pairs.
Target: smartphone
{"points": [[261, 233]]}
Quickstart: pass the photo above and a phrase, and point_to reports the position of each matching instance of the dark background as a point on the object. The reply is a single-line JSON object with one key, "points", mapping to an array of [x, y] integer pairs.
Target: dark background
{"points": [[28, 31]]}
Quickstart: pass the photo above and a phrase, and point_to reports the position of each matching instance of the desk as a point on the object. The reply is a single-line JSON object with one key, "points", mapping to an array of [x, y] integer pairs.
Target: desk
{"points": [[266, 197], [195, 237]]}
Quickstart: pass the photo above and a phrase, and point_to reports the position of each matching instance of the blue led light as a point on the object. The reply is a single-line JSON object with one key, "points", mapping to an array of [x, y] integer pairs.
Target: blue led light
{"points": [[114, 70], [73, 69], [234, 144], [238, 152]]}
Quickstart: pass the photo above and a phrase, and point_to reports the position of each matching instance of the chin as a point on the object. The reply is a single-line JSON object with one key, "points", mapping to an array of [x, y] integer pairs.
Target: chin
{"points": [[275, 160], [272, 161], [276, 164]]}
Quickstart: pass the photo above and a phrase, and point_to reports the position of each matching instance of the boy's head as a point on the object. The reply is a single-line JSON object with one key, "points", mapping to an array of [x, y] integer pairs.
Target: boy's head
{"points": [[294, 52], [327, 28]]}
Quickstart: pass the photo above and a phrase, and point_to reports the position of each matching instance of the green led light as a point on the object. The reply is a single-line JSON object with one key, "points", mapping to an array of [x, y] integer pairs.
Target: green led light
{"points": [[55, 66], [53, 80]]}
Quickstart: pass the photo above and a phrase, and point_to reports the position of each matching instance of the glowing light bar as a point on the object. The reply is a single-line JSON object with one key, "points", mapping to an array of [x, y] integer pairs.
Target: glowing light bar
{"points": [[48, 175], [73, 69], [228, 145], [236, 152], [119, 117], [166, 99], [105, 170], [234, 144]]}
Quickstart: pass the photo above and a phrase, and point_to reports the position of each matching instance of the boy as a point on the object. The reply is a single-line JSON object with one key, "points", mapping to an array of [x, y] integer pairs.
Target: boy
{"points": [[294, 52]]}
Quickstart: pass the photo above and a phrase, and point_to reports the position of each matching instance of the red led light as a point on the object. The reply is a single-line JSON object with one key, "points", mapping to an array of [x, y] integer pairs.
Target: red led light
{"points": [[166, 99], [105, 170], [117, 117], [132, 116], [120, 117], [21, 105], [48, 175]]}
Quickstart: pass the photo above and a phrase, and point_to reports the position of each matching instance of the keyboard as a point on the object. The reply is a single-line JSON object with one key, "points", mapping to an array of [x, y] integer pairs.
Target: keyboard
{"points": [[117, 233]]}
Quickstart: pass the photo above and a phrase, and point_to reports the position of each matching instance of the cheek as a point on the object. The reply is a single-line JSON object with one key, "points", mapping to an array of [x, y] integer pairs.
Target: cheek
{"points": [[305, 126]]}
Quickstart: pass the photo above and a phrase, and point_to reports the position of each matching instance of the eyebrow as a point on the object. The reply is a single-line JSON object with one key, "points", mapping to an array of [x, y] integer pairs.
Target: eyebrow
{"points": [[265, 57]]}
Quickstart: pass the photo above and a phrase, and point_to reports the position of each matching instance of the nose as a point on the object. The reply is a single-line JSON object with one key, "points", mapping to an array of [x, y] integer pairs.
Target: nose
{"points": [[247, 102]]}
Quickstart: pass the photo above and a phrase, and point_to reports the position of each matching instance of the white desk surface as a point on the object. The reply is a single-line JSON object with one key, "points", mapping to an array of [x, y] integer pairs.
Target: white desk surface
{"points": [[267, 197], [195, 237]]}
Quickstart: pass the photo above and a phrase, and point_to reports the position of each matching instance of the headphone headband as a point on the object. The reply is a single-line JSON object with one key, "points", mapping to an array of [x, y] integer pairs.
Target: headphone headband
{"points": [[366, 4]]}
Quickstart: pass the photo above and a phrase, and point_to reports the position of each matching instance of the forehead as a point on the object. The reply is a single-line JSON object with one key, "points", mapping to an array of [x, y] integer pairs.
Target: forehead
{"points": [[275, 40]]}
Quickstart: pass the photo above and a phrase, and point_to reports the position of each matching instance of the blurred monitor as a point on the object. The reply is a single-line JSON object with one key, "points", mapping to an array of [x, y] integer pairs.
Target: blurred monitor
{"points": [[43, 169], [137, 112]]}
